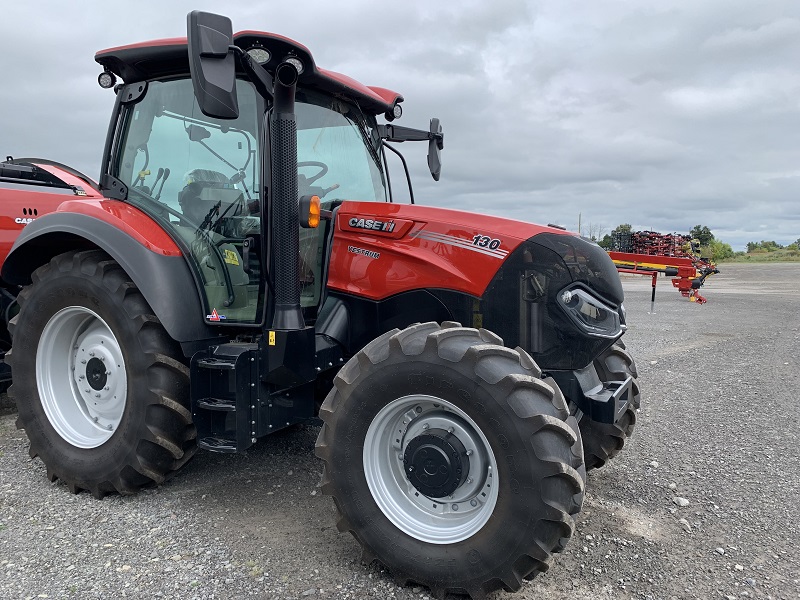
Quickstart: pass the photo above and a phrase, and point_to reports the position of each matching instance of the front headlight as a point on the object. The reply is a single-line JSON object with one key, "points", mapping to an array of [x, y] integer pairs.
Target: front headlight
{"points": [[590, 314]]}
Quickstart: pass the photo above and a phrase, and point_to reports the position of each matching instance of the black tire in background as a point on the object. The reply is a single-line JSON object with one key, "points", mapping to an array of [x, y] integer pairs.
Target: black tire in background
{"points": [[155, 435], [603, 441], [498, 393]]}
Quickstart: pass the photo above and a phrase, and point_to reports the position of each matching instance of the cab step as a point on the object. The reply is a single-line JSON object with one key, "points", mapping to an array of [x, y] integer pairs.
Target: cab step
{"points": [[224, 396]]}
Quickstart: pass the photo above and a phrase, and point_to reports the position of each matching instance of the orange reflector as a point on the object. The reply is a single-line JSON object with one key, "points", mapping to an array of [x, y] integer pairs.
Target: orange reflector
{"points": [[309, 211], [314, 212]]}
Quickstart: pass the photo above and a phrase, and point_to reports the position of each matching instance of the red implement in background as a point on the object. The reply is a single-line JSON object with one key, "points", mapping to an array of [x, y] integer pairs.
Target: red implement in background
{"points": [[688, 274]]}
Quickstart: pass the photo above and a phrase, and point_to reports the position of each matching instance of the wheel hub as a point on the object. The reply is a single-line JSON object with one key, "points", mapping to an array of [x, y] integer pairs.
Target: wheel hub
{"points": [[436, 463], [96, 374], [81, 377], [430, 469]]}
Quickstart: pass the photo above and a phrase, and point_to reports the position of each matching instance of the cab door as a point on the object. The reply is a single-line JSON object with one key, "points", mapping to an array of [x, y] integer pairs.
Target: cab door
{"points": [[200, 178]]}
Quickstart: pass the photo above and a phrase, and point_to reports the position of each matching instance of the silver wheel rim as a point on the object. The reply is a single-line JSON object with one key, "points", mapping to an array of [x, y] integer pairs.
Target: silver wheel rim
{"points": [[80, 375], [444, 520]]}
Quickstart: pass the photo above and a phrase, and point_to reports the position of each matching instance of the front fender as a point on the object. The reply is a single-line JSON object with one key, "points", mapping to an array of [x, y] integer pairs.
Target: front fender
{"points": [[146, 253]]}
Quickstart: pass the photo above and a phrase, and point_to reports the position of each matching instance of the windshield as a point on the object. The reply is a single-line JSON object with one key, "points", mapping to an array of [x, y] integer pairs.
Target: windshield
{"points": [[338, 150], [338, 158]]}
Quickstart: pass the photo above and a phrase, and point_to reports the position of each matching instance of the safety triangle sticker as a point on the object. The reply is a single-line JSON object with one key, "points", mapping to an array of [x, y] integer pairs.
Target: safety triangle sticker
{"points": [[215, 316]]}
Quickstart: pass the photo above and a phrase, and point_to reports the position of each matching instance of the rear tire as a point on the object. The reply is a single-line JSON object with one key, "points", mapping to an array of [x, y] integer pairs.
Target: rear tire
{"points": [[513, 485], [100, 387], [603, 441]]}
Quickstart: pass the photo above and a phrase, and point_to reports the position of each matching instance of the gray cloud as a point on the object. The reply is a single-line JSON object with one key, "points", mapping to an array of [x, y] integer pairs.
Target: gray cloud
{"points": [[660, 115]]}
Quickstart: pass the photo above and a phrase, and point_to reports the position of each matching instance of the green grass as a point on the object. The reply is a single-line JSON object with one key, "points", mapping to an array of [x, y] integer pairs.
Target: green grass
{"points": [[783, 255]]}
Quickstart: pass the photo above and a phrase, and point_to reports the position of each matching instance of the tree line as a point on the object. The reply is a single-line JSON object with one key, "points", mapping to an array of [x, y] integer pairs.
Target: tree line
{"points": [[710, 246]]}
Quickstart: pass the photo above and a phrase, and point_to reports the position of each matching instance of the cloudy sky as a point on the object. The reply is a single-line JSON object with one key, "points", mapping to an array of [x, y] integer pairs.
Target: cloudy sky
{"points": [[660, 114]]}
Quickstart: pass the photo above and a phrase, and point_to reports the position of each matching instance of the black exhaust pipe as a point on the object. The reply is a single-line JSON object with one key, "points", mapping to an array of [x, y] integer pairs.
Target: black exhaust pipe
{"points": [[285, 219]]}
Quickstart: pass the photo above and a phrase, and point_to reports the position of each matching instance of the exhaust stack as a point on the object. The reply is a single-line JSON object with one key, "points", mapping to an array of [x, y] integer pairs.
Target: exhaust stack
{"points": [[285, 219]]}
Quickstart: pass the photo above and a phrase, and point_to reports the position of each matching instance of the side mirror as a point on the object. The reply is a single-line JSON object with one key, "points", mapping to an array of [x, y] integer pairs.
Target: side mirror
{"points": [[212, 64], [435, 145]]}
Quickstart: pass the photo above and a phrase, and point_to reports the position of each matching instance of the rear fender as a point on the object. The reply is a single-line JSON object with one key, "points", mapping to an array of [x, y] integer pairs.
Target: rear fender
{"points": [[153, 262]]}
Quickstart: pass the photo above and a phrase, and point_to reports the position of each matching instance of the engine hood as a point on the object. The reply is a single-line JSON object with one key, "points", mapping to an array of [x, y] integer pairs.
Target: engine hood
{"points": [[381, 249]]}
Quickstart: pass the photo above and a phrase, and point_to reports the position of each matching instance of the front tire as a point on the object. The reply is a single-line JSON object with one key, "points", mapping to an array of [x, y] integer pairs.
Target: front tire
{"points": [[100, 387], [450, 460], [603, 441]]}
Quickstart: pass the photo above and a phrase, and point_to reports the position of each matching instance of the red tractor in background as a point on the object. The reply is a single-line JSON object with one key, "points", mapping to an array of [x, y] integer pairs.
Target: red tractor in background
{"points": [[240, 267]]}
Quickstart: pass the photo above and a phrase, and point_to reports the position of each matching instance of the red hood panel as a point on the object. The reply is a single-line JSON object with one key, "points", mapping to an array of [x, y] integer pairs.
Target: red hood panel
{"points": [[382, 249]]}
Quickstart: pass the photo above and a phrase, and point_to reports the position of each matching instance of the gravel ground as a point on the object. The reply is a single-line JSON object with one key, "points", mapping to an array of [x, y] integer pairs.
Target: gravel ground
{"points": [[702, 503]]}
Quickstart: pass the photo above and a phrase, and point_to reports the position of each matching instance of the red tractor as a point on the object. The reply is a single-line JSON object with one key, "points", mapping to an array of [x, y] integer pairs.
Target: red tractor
{"points": [[240, 267]]}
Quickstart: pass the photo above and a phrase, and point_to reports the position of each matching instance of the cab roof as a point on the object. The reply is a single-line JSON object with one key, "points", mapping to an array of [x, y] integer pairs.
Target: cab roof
{"points": [[170, 57]]}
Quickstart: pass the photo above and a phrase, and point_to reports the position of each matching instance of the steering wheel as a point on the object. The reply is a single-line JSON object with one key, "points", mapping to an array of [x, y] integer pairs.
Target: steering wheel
{"points": [[323, 169]]}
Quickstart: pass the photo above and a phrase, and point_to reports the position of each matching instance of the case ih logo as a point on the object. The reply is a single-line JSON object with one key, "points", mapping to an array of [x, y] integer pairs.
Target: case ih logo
{"points": [[371, 224]]}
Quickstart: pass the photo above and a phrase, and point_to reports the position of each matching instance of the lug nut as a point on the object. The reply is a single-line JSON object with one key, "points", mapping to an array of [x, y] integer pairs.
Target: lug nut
{"points": [[426, 426], [454, 507], [473, 502], [469, 452]]}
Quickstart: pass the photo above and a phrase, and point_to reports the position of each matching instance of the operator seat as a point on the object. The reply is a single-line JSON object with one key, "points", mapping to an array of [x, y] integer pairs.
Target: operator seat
{"points": [[207, 200]]}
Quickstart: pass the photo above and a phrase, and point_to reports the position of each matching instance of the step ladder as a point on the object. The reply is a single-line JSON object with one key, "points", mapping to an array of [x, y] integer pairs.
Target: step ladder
{"points": [[224, 397]]}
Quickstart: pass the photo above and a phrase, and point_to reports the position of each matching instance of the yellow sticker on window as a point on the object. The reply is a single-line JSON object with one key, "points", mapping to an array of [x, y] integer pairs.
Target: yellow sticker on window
{"points": [[271, 338], [230, 257]]}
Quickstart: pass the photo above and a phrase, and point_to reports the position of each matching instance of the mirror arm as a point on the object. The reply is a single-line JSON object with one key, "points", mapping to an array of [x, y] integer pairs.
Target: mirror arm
{"points": [[397, 133], [257, 74], [405, 168]]}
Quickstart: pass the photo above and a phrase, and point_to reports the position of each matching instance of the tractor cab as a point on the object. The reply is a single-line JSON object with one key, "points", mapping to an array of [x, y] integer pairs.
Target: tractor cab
{"points": [[206, 178]]}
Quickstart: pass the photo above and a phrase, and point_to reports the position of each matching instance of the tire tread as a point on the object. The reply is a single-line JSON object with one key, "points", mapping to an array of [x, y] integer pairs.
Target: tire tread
{"points": [[546, 415], [167, 439]]}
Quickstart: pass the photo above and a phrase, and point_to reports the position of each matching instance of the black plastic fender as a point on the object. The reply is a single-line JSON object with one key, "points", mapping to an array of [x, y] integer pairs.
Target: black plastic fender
{"points": [[166, 282]]}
